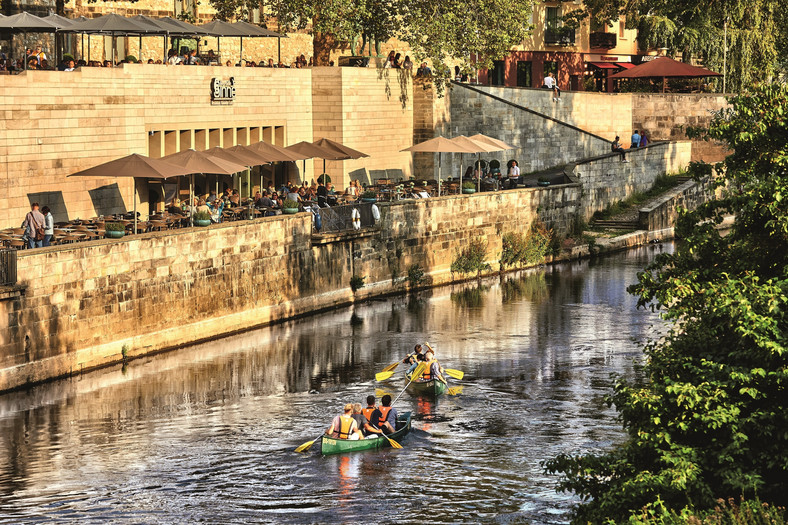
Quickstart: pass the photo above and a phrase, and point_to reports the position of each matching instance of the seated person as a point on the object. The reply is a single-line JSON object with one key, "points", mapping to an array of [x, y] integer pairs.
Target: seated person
{"points": [[413, 359], [384, 418], [216, 212], [361, 420], [344, 426], [433, 370], [202, 206]]}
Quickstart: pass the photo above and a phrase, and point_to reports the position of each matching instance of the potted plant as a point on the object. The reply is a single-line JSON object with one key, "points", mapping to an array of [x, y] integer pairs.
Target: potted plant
{"points": [[324, 178], [369, 196], [543, 181], [202, 218], [468, 187], [289, 206], [114, 230]]}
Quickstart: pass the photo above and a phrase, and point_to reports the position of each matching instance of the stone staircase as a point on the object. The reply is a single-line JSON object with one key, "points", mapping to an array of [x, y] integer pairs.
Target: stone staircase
{"points": [[611, 224]]}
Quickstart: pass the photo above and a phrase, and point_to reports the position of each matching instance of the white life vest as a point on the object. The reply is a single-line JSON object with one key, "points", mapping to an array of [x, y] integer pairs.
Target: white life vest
{"points": [[355, 215], [375, 213]]}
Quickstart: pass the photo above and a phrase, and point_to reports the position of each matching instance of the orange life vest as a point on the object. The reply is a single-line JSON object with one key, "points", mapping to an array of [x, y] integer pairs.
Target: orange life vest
{"points": [[368, 412], [427, 374], [384, 413], [345, 426]]}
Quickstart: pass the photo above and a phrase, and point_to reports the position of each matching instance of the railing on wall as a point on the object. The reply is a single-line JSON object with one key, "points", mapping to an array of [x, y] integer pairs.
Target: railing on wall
{"points": [[7, 267], [340, 218]]}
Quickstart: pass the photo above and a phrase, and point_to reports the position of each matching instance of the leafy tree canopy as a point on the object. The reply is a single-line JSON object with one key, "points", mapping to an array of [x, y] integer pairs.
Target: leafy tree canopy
{"points": [[755, 31], [472, 31], [711, 421]]}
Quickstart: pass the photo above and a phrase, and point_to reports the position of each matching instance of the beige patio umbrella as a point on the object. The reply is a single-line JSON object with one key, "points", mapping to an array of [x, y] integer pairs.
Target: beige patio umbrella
{"points": [[339, 148], [274, 153], [485, 146], [491, 141], [239, 155], [439, 145], [201, 162], [134, 165]]}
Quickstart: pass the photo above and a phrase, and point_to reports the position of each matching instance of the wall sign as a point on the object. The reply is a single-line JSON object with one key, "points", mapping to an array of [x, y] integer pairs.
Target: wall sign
{"points": [[222, 91]]}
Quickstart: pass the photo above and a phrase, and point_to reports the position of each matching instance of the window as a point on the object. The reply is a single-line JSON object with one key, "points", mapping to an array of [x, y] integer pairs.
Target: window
{"points": [[184, 9], [554, 32], [498, 73], [551, 66], [524, 74], [622, 25]]}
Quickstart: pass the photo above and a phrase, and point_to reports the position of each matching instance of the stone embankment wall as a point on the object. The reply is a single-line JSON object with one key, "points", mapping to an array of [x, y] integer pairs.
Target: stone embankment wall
{"points": [[606, 179], [663, 214], [85, 305]]}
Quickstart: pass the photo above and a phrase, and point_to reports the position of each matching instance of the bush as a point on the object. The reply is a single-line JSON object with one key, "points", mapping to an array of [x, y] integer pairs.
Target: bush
{"points": [[369, 194], [202, 216], [468, 185], [526, 249], [115, 227], [131, 59], [324, 178], [415, 275], [356, 283], [471, 259], [67, 57], [747, 512], [289, 203]]}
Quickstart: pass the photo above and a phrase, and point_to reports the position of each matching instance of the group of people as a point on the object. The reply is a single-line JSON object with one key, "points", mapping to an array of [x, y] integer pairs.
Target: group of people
{"points": [[364, 423], [39, 226], [394, 61], [492, 174], [432, 368], [639, 140]]}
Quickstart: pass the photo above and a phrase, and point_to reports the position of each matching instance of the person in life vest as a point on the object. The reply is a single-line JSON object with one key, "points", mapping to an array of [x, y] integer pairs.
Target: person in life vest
{"points": [[384, 418], [368, 428], [433, 369], [344, 426], [413, 359]]}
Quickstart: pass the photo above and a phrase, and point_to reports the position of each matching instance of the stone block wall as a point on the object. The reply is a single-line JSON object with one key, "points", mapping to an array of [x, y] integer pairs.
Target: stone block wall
{"points": [[666, 117], [663, 214], [606, 179], [83, 304], [539, 142]]}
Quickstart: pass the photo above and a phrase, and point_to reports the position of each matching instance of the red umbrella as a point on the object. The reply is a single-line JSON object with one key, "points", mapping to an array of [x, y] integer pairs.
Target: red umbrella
{"points": [[664, 68]]}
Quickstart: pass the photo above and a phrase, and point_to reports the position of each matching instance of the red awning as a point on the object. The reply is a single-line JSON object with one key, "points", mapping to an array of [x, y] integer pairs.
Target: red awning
{"points": [[626, 65], [603, 65]]}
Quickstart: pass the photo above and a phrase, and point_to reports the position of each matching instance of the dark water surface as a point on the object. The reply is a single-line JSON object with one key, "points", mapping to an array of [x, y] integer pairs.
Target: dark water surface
{"points": [[206, 433]]}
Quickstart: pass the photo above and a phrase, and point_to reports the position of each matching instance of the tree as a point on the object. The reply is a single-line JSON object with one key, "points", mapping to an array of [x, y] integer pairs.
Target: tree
{"points": [[711, 420], [698, 29]]}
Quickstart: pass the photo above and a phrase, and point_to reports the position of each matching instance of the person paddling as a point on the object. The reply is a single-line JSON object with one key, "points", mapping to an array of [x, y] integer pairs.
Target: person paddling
{"points": [[384, 418], [433, 369], [413, 358], [344, 426], [367, 428]]}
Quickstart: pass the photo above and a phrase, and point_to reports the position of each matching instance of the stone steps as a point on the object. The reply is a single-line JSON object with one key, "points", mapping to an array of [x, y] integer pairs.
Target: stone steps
{"points": [[616, 225]]}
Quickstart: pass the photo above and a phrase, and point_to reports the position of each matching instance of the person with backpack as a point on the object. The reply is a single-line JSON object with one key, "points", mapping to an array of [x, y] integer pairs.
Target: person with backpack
{"points": [[34, 227]]}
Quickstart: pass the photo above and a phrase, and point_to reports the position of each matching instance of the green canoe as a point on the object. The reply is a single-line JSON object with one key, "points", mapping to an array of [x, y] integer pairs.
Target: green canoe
{"points": [[338, 446], [432, 388]]}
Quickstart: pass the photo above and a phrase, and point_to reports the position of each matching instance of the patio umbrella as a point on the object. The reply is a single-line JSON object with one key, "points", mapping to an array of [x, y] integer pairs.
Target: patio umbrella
{"points": [[274, 153], [220, 28], [26, 23], [438, 145], [201, 162], [491, 141], [61, 22], [339, 148], [310, 150], [114, 25], [257, 31], [664, 68], [478, 147], [134, 165], [239, 155]]}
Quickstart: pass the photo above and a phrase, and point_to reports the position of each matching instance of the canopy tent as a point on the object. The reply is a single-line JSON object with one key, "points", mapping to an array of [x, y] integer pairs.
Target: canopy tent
{"points": [[115, 25], [134, 165], [26, 23], [220, 28], [439, 145], [202, 162], [664, 68]]}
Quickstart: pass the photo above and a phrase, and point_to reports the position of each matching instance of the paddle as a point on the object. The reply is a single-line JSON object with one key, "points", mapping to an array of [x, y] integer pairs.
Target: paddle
{"points": [[391, 367], [306, 446], [456, 374], [382, 376], [454, 390]]}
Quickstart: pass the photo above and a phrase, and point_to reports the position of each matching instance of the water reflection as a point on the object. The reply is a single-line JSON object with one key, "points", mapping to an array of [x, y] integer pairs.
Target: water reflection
{"points": [[206, 433]]}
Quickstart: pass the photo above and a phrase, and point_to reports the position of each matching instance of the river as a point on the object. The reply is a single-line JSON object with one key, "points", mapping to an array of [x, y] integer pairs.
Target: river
{"points": [[206, 433]]}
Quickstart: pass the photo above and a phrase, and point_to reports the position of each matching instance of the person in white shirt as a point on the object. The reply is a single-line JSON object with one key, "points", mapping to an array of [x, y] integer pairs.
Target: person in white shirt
{"points": [[550, 83]]}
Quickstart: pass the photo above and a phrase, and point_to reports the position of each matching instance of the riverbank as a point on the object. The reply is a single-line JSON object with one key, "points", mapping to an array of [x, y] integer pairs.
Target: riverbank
{"points": [[83, 306]]}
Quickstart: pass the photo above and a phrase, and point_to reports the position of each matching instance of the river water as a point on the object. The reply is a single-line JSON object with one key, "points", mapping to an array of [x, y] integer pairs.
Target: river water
{"points": [[206, 433]]}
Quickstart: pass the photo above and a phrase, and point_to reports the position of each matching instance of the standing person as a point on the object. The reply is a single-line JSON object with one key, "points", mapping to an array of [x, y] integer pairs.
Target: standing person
{"points": [[322, 193], [551, 83], [616, 147], [408, 63], [49, 226], [643, 139], [390, 60], [635, 140], [513, 174], [344, 426], [34, 227]]}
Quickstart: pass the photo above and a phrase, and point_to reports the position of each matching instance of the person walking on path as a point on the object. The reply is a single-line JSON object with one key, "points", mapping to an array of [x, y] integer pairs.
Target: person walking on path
{"points": [[34, 227], [616, 147]]}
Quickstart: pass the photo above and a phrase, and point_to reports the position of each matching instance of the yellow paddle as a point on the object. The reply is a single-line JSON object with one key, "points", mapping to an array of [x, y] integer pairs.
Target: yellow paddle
{"points": [[379, 392], [382, 376], [306, 446], [394, 444], [456, 374], [454, 391], [391, 367]]}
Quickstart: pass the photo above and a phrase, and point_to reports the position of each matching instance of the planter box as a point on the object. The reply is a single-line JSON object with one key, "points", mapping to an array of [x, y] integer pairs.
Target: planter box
{"points": [[469, 190], [543, 183], [289, 211], [114, 234], [368, 201], [202, 222]]}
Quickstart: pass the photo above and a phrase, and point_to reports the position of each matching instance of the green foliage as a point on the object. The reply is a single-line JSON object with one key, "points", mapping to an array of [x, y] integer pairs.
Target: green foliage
{"points": [[357, 283], [67, 57], [289, 204], [747, 512], [369, 194], [471, 259], [415, 275], [755, 32], [202, 216], [131, 59], [662, 184], [468, 185], [525, 249], [711, 420], [114, 227]]}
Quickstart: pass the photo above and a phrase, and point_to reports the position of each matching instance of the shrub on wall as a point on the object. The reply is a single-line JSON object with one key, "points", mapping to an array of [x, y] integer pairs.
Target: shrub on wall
{"points": [[471, 259], [524, 249], [415, 275]]}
